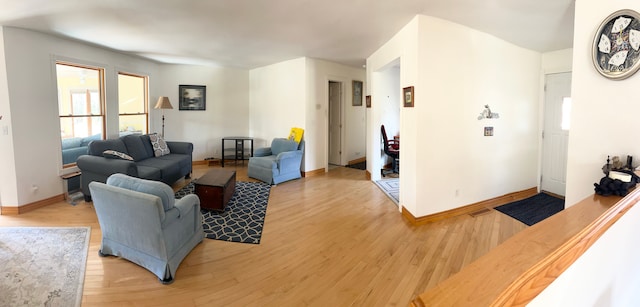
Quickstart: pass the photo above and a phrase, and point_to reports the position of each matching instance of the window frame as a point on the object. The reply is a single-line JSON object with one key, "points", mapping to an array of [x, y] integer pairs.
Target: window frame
{"points": [[145, 79], [101, 98]]}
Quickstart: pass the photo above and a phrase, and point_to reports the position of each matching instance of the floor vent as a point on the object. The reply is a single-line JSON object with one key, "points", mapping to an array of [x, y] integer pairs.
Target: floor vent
{"points": [[480, 212]]}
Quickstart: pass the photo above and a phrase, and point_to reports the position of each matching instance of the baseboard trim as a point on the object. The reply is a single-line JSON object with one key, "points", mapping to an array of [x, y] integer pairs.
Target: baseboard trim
{"points": [[356, 161], [4, 210], [489, 203], [316, 172]]}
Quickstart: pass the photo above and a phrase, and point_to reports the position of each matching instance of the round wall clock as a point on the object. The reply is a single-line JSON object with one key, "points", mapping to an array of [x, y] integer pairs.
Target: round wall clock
{"points": [[616, 45]]}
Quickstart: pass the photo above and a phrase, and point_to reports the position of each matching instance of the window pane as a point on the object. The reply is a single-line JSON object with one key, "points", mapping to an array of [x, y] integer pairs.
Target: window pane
{"points": [[78, 90], [566, 113], [133, 124], [80, 109], [132, 103]]}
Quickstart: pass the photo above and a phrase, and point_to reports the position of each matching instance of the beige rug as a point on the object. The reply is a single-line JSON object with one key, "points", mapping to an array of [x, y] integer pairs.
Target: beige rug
{"points": [[42, 266]]}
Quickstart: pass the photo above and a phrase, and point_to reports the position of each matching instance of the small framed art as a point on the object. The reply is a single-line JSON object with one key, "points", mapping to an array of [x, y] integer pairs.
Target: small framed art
{"points": [[192, 97], [357, 93], [409, 98], [368, 99]]}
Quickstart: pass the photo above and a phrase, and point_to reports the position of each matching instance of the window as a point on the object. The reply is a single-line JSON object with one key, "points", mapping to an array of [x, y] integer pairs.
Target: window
{"points": [[566, 113], [132, 102], [80, 108]]}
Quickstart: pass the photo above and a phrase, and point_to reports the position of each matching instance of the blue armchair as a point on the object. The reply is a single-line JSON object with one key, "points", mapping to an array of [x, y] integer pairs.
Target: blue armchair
{"points": [[278, 163], [142, 222]]}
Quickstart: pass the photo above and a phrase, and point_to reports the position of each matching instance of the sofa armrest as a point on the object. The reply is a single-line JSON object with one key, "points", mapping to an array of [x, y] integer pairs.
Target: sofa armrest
{"points": [[262, 152], [180, 147], [102, 165]]}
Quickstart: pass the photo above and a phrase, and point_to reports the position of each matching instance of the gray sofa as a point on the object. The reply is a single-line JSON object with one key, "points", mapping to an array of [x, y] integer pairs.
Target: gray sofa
{"points": [[96, 166]]}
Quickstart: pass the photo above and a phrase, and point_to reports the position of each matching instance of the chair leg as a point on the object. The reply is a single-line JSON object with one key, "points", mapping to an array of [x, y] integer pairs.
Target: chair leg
{"points": [[166, 281]]}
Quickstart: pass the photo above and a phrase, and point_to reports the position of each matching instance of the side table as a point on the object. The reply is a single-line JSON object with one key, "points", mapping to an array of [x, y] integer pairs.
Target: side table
{"points": [[238, 149]]}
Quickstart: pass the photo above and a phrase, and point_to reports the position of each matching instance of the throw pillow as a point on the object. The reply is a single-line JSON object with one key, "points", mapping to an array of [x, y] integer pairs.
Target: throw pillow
{"points": [[112, 154], [160, 147]]}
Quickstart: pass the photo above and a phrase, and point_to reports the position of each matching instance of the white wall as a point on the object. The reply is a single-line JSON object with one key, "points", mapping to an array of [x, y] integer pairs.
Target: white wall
{"points": [[33, 155], [294, 93], [604, 111], [319, 73], [455, 72], [8, 175], [277, 100], [227, 107], [602, 119]]}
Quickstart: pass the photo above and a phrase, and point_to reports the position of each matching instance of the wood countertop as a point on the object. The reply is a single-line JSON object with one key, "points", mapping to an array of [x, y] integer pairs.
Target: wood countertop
{"points": [[520, 268]]}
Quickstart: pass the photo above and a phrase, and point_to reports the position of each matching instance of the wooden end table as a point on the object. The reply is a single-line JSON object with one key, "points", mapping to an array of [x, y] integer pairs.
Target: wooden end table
{"points": [[215, 188]]}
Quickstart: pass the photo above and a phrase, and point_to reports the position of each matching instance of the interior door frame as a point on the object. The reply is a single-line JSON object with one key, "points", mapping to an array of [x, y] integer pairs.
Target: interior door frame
{"points": [[546, 134], [341, 121]]}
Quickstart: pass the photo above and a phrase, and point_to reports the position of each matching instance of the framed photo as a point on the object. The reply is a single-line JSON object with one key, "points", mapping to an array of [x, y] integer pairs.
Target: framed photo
{"points": [[357, 93], [488, 131], [368, 99], [616, 45], [192, 97], [409, 98]]}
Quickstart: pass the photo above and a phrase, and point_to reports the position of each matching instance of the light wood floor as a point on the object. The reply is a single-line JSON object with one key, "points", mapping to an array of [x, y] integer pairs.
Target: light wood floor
{"points": [[328, 240]]}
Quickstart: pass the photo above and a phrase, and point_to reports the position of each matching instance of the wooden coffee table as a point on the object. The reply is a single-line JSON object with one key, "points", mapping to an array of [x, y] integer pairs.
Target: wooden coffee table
{"points": [[215, 188]]}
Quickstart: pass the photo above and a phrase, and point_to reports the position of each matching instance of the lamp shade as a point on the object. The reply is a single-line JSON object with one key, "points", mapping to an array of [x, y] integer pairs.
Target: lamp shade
{"points": [[163, 103]]}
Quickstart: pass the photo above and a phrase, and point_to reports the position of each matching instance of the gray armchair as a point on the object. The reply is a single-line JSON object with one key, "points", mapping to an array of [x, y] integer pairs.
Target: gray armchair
{"points": [[278, 163], [142, 222]]}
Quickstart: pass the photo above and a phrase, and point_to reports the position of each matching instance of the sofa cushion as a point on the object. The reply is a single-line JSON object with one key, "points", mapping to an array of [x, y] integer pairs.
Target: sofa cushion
{"points": [[169, 170], [112, 154], [279, 145], [135, 147], [156, 188], [87, 140], [96, 148], [160, 147]]}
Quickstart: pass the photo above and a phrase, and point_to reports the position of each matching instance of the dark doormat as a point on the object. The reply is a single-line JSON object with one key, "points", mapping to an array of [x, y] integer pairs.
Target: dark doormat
{"points": [[533, 209], [360, 166]]}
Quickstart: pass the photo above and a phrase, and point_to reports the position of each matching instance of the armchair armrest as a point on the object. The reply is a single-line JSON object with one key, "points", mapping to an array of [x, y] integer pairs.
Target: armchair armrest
{"points": [[102, 165], [289, 160], [189, 208], [180, 147], [262, 152]]}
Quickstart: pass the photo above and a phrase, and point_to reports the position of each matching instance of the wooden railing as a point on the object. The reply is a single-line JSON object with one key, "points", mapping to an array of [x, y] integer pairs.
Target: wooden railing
{"points": [[518, 270]]}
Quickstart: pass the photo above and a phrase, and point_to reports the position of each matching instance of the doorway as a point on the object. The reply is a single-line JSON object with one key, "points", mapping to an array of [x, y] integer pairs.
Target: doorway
{"points": [[555, 136], [335, 124]]}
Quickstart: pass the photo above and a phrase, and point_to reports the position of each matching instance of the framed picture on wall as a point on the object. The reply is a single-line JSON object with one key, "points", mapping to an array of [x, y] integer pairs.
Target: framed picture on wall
{"points": [[192, 97], [409, 98], [357, 93], [368, 99]]}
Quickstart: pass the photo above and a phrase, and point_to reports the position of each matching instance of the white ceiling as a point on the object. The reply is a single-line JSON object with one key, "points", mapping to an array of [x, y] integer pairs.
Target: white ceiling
{"points": [[254, 33]]}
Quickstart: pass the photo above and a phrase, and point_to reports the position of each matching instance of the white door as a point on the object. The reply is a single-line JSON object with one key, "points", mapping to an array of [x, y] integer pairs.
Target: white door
{"points": [[335, 126], [557, 115]]}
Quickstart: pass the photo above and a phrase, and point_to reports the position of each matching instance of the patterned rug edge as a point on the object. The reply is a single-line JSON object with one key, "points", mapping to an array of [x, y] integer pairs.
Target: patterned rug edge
{"points": [[84, 253]]}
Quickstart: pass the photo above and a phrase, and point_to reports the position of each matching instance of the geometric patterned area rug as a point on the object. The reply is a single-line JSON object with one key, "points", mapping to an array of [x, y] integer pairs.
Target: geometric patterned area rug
{"points": [[391, 187], [242, 219], [42, 266]]}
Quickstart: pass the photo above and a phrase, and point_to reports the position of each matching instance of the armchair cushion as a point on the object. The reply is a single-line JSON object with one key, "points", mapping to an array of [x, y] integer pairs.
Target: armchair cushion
{"points": [[279, 145], [156, 188]]}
